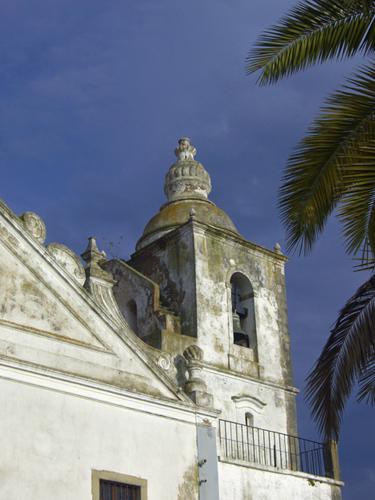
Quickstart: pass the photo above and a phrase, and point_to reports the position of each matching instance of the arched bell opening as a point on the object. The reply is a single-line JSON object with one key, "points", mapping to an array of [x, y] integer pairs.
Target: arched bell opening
{"points": [[243, 313]]}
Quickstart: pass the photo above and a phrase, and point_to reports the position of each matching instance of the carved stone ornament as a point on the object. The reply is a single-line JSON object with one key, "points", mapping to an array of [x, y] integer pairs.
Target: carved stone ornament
{"points": [[250, 402], [93, 258], [193, 353], [196, 387], [165, 361], [185, 150], [99, 283], [187, 178], [68, 260], [35, 226]]}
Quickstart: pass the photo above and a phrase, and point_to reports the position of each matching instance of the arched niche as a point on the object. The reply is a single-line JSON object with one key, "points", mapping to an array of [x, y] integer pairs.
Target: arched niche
{"points": [[249, 419], [130, 313], [243, 312]]}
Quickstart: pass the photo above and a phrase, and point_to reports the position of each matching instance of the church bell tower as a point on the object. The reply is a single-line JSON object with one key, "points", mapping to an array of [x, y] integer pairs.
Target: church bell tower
{"points": [[226, 295]]}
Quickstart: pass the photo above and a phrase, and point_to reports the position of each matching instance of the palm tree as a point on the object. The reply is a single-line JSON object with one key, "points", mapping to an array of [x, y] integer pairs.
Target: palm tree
{"points": [[332, 169]]}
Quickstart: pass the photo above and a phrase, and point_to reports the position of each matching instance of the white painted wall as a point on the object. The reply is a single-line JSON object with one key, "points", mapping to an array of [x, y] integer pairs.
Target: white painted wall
{"points": [[270, 415], [214, 309], [245, 483], [52, 440]]}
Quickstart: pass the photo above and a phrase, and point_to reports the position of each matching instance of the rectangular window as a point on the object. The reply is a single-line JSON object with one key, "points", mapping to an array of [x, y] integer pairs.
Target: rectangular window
{"points": [[108, 485], [111, 490]]}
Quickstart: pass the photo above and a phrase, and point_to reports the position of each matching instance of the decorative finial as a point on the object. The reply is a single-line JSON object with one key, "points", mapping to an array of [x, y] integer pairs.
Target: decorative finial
{"points": [[196, 387], [92, 254], [187, 178], [193, 353], [277, 248], [185, 149], [94, 258]]}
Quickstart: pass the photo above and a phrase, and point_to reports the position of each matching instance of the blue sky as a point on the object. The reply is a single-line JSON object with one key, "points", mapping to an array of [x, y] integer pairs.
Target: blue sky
{"points": [[94, 95]]}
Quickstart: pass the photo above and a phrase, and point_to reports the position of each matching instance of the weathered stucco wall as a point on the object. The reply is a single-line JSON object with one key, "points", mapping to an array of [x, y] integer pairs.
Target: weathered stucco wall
{"points": [[138, 299], [170, 263], [218, 257], [248, 483], [236, 396], [57, 439], [47, 321]]}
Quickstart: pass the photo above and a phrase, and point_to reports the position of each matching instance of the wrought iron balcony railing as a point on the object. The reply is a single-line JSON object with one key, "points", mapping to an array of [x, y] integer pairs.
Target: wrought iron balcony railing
{"points": [[273, 449]]}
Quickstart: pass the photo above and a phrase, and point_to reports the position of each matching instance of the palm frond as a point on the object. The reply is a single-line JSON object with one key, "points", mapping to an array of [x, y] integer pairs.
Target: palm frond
{"points": [[316, 177], [369, 40], [347, 353], [357, 210], [367, 382], [313, 31], [366, 262]]}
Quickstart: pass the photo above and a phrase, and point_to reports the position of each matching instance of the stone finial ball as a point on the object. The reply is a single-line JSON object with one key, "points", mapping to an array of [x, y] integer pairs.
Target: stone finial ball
{"points": [[193, 353]]}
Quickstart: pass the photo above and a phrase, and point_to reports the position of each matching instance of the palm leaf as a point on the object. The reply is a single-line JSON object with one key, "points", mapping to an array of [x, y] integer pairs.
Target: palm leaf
{"points": [[314, 31], [366, 262], [316, 175], [357, 210], [347, 356], [367, 382]]}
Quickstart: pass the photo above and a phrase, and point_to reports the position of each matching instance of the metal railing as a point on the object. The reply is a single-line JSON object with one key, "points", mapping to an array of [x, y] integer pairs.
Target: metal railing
{"points": [[273, 449]]}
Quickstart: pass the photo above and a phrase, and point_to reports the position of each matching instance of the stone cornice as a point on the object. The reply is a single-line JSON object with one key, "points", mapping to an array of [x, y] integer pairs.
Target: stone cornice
{"points": [[235, 238], [104, 393]]}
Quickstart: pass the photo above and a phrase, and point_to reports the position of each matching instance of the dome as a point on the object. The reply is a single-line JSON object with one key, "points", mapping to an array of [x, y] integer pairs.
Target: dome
{"points": [[187, 186], [176, 213]]}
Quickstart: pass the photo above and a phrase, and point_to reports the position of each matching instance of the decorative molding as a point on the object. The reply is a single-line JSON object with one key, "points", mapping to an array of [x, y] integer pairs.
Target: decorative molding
{"points": [[68, 260], [103, 393], [240, 376], [165, 361], [45, 333], [247, 401]]}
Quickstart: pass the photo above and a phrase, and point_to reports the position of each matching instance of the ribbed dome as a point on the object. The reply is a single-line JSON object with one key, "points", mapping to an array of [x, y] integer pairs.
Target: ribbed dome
{"points": [[187, 186]]}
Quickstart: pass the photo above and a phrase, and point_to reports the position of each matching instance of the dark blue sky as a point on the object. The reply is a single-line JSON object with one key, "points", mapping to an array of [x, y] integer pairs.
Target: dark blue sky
{"points": [[94, 95]]}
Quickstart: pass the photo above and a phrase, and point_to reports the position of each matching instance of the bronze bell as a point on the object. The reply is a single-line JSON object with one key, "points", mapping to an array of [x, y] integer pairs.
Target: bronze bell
{"points": [[240, 336], [237, 323]]}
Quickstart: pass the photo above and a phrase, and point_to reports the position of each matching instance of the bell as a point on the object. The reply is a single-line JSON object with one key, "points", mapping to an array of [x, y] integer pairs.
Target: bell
{"points": [[240, 336], [237, 323]]}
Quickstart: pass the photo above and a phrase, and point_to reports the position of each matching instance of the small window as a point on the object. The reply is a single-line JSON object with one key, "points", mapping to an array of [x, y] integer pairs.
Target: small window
{"points": [[108, 485], [111, 490], [249, 419]]}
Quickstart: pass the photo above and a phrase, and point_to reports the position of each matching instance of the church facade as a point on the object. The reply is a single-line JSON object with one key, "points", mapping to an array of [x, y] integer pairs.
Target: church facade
{"points": [[164, 377]]}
